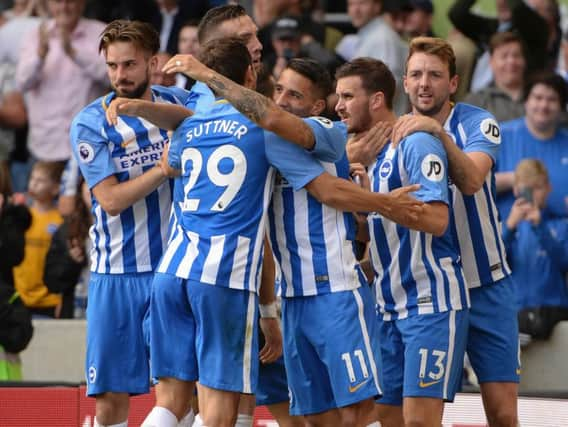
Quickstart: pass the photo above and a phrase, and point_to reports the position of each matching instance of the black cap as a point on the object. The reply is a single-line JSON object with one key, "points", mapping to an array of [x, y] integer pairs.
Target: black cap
{"points": [[287, 27], [425, 5]]}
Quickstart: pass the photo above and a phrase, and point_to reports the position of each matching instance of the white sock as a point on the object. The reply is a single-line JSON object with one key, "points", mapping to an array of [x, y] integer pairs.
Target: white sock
{"points": [[243, 420], [122, 424], [160, 417], [187, 421], [375, 424], [197, 422]]}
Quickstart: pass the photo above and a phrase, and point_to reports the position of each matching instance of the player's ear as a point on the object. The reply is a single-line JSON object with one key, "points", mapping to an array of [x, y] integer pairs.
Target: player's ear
{"points": [[318, 107], [377, 100]]}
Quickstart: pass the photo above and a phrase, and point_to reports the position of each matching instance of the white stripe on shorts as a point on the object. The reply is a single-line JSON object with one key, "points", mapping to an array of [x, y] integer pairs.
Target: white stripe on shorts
{"points": [[451, 344], [364, 331], [247, 353]]}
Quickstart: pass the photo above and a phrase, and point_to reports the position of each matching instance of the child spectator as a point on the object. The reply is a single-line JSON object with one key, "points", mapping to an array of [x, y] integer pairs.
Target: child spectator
{"points": [[66, 261], [43, 189], [537, 248]]}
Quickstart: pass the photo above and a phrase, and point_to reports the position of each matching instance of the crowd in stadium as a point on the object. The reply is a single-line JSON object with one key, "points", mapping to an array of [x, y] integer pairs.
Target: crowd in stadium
{"points": [[342, 220]]}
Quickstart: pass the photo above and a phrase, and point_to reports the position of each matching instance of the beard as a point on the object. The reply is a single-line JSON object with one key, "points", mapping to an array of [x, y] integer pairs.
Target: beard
{"points": [[430, 111], [136, 92]]}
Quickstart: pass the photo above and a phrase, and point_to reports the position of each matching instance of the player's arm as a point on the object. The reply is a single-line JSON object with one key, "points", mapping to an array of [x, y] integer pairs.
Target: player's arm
{"points": [[347, 196], [467, 170], [163, 115], [260, 109], [269, 323], [115, 196]]}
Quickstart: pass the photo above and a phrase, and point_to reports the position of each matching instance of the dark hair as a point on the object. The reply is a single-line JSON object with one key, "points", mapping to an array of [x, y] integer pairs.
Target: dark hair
{"points": [[265, 81], [315, 73], [434, 46], [553, 81], [5, 181], [228, 56], [215, 17], [141, 34], [502, 38], [375, 76], [53, 170], [80, 219]]}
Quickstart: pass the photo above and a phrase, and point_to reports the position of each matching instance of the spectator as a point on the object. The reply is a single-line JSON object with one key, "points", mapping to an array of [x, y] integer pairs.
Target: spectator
{"points": [[291, 40], [512, 15], [419, 19], [188, 44], [170, 16], [537, 135], [59, 71], [377, 39], [15, 320], [12, 110], [157, 76], [68, 255], [28, 276], [503, 97], [537, 250]]}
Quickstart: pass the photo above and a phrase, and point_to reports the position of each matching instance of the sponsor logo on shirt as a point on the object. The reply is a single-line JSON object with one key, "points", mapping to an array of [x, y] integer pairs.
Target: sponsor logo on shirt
{"points": [[433, 168], [144, 156], [490, 129]]}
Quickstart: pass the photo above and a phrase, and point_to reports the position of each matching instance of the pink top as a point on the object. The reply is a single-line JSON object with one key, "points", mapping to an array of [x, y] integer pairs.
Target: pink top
{"points": [[58, 87]]}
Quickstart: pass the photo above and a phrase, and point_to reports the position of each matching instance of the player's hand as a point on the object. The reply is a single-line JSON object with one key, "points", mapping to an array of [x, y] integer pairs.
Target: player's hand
{"points": [[121, 106], [518, 213], [411, 123], [359, 175], [363, 148], [188, 65], [403, 208], [167, 170], [43, 42], [272, 350]]}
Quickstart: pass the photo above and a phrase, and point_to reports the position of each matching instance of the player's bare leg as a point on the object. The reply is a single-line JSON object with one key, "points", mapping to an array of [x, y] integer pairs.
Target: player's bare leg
{"points": [[500, 403]]}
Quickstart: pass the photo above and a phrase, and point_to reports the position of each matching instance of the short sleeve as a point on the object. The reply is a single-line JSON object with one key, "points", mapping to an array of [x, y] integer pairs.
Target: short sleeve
{"points": [[297, 165], [91, 150], [426, 163], [330, 138], [176, 145], [483, 135]]}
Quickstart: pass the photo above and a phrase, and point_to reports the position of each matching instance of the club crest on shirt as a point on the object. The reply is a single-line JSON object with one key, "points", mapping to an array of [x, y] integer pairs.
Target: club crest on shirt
{"points": [[385, 170], [86, 152], [433, 168], [490, 129]]}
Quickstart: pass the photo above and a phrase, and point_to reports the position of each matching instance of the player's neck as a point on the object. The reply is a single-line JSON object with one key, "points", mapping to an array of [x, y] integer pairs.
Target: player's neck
{"points": [[384, 116], [442, 115]]}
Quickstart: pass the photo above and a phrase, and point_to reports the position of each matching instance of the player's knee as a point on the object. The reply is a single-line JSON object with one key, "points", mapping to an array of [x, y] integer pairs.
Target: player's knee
{"points": [[503, 417], [112, 408], [220, 419]]}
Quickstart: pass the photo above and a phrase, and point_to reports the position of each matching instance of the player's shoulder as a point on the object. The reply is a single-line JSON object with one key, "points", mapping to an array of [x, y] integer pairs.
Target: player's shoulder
{"points": [[170, 94], [94, 113], [421, 141]]}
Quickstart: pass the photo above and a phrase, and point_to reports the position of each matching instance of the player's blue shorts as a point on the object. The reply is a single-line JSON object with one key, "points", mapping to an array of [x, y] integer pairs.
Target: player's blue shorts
{"points": [[272, 383], [331, 350], [117, 342], [204, 332], [423, 356], [493, 343]]}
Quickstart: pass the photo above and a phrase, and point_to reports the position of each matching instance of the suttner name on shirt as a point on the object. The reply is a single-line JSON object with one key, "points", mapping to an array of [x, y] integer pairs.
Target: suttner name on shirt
{"points": [[144, 156], [231, 127]]}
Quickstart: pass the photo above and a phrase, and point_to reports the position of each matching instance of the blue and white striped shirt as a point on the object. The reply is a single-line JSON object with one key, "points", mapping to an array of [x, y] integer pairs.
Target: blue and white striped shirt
{"points": [[417, 273], [133, 241], [312, 242], [475, 219]]}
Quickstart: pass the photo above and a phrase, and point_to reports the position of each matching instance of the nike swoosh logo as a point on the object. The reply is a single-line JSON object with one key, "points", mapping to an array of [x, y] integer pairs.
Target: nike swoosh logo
{"points": [[422, 384], [124, 144], [354, 388]]}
